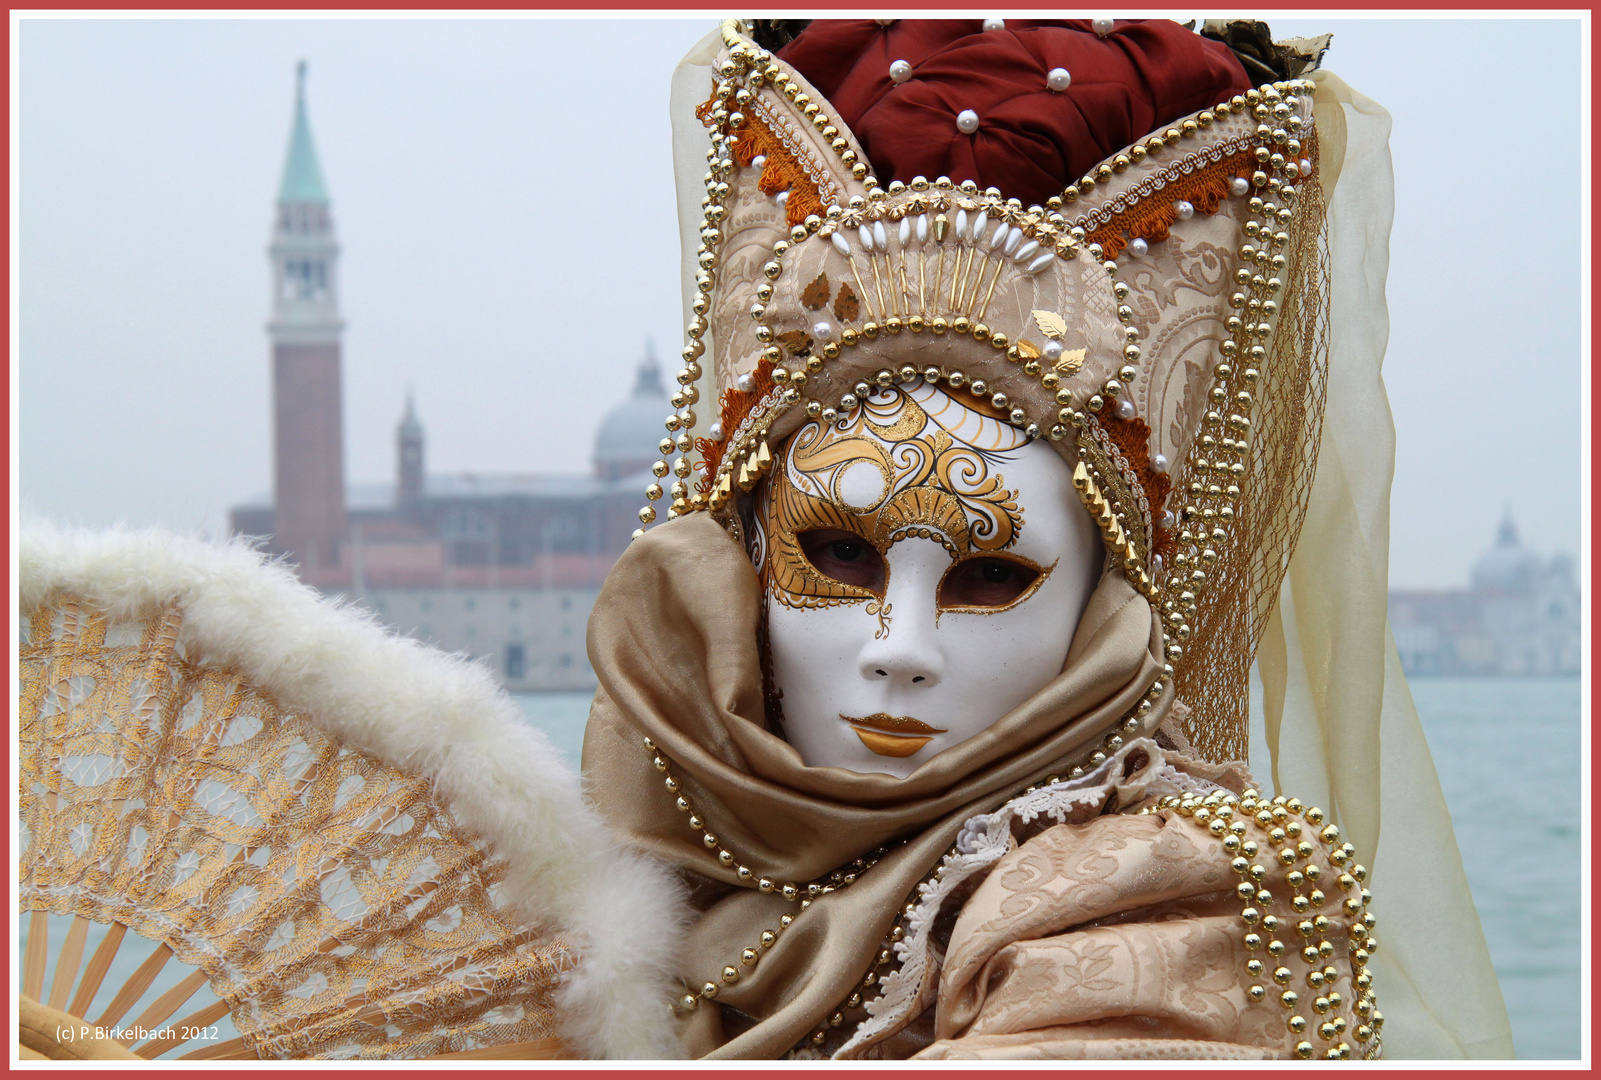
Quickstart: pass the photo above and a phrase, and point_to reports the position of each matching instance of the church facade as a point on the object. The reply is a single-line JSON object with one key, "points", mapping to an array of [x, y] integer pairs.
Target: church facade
{"points": [[504, 567], [1519, 617]]}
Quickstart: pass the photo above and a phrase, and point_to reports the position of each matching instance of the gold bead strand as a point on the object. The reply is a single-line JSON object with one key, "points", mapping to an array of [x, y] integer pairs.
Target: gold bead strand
{"points": [[1216, 461]]}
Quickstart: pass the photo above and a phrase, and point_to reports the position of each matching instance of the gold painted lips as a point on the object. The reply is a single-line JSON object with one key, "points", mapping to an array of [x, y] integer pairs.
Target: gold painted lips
{"points": [[891, 736]]}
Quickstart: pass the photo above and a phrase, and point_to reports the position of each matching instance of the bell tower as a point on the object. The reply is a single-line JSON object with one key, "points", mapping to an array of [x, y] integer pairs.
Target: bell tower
{"points": [[308, 441]]}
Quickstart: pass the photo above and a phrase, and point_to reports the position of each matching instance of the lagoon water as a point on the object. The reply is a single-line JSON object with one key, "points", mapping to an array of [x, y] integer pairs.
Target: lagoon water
{"points": [[1508, 754]]}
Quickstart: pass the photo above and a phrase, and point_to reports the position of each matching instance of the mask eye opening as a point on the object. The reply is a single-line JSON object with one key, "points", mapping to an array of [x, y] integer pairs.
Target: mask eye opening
{"points": [[845, 557], [969, 585]]}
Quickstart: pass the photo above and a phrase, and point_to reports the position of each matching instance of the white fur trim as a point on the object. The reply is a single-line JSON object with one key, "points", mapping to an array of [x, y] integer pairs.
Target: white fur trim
{"points": [[425, 712]]}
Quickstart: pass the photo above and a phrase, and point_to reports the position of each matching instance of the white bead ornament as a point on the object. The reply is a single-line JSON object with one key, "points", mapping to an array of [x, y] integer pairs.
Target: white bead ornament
{"points": [[1239, 185], [967, 121], [1159, 462], [745, 383], [994, 24], [716, 432], [1052, 350], [1138, 248], [758, 161], [1102, 27], [1185, 208], [1125, 409], [1059, 79], [822, 330], [899, 72], [782, 197]]}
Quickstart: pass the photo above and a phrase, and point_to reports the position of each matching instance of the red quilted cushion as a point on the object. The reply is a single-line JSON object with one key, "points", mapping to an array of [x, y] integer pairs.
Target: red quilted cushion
{"points": [[1031, 141]]}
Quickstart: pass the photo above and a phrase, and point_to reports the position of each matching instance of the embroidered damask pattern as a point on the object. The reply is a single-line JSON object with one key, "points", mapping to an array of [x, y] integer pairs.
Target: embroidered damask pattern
{"points": [[332, 901]]}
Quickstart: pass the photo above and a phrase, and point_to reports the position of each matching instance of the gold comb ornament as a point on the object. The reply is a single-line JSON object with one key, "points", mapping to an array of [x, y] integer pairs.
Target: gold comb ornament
{"points": [[1162, 321]]}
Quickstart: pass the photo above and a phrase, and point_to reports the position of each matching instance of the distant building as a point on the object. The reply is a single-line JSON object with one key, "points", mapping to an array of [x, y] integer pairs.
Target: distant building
{"points": [[1521, 616], [504, 567]]}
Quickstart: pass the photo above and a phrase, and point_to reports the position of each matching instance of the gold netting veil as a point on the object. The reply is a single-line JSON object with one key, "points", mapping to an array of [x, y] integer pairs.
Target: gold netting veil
{"points": [[1213, 678]]}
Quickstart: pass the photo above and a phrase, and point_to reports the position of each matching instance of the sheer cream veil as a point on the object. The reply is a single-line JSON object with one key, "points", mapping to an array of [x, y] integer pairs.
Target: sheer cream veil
{"points": [[1338, 717]]}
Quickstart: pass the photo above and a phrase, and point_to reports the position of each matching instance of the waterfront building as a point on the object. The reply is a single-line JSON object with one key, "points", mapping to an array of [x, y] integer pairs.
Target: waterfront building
{"points": [[1520, 616], [502, 566]]}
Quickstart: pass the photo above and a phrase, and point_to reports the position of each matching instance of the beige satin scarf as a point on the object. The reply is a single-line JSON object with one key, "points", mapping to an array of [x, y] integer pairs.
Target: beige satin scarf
{"points": [[674, 642]]}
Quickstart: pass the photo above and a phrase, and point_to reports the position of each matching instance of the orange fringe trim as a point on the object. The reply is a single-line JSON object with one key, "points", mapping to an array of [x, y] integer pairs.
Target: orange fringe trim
{"points": [[734, 406], [1149, 219], [1133, 437], [781, 170]]}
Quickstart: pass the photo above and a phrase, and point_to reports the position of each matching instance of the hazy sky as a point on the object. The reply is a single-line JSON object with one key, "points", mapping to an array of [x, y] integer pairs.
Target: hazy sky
{"points": [[503, 193]]}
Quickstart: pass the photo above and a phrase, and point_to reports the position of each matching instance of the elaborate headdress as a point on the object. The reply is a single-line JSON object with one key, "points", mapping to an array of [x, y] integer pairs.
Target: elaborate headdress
{"points": [[1161, 320]]}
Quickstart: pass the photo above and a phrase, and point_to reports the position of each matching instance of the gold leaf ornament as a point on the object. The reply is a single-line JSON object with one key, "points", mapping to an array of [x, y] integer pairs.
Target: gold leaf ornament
{"points": [[1071, 361], [1051, 324], [815, 295]]}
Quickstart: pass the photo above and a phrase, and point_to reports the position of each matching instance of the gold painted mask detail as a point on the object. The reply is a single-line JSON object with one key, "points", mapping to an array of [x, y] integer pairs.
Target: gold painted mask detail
{"points": [[906, 462]]}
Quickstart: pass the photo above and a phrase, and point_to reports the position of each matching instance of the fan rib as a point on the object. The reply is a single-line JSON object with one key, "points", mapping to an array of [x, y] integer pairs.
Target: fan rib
{"points": [[95, 973], [36, 955], [167, 1004], [134, 988], [233, 1048], [67, 964], [200, 1019]]}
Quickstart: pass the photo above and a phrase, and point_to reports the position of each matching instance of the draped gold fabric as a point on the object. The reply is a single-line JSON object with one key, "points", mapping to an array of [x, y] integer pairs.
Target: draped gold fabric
{"points": [[674, 642], [1116, 938]]}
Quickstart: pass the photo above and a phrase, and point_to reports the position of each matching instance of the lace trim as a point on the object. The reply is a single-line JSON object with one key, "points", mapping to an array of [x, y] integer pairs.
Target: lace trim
{"points": [[983, 840]]}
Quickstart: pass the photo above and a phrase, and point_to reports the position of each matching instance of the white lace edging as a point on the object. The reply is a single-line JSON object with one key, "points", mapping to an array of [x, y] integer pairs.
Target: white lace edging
{"points": [[983, 840]]}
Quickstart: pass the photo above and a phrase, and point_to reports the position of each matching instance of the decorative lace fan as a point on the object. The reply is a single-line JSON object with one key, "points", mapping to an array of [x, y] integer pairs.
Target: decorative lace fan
{"points": [[333, 902]]}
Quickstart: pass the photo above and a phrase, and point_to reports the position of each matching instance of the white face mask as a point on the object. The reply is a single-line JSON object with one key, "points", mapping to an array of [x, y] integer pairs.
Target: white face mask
{"points": [[926, 567]]}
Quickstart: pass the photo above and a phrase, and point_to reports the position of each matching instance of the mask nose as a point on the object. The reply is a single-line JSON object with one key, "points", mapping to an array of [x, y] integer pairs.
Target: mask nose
{"points": [[904, 660], [908, 657]]}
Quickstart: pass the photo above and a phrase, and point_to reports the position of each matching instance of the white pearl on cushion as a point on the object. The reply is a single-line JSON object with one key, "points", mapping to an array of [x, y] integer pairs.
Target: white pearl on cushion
{"points": [[1239, 185], [1159, 462], [1138, 247], [1059, 79], [1052, 350], [1185, 208], [900, 71], [1103, 26], [716, 432], [781, 198], [967, 121], [745, 383], [1306, 167], [994, 24], [1125, 409], [822, 330], [758, 161]]}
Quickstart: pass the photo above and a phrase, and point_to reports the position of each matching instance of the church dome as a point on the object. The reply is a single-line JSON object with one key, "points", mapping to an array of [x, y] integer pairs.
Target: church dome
{"points": [[1508, 567], [626, 443]]}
